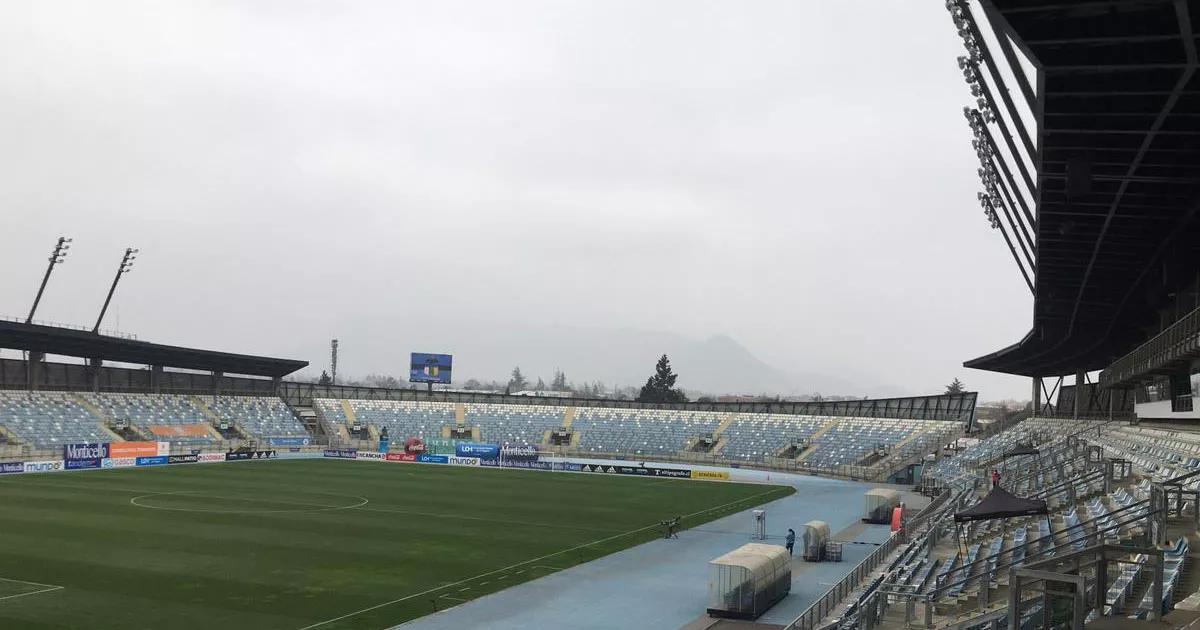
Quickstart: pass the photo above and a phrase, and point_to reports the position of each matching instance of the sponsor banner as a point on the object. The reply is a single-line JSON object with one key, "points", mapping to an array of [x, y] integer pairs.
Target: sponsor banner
{"points": [[433, 459], [8, 468], [401, 457], [157, 460], [289, 441], [370, 455], [118, 462], [519, 454], [209, 458], [572, 467], [136, 449], [341, 453], [521, 464], [480, 451], [245, 455], [679, 473], [183, 459], [81, 464], [414, 445], [463, 461], [85, 451], [439, 446], [49, 465], [710, 474]]}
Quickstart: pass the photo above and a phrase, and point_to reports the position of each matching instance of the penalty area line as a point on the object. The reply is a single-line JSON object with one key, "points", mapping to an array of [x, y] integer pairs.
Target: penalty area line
{"points": [[521, 564], [45, 588]]}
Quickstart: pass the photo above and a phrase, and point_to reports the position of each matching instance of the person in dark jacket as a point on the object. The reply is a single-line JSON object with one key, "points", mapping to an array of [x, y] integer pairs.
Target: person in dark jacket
{"points": [[790, 541]]}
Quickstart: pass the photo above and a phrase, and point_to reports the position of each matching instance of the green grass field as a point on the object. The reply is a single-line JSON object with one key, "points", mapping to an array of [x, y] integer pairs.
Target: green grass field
{"points": [[312, 543]]}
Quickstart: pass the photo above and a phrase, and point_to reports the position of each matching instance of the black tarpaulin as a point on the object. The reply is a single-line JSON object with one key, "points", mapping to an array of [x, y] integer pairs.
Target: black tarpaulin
{"points": [[1000, 503], [1021, 450]]}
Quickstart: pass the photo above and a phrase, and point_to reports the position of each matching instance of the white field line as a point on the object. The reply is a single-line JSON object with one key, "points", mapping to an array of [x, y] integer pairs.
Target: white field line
{"points": [[484, 518], [46, 588], [315, 507], [513, 566]]}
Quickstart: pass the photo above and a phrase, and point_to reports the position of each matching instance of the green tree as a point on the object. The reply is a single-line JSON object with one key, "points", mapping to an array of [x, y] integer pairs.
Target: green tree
{"points": [[660, 388], [956, 387], [559, 384], [541, 385], [517, 381], [324, 380]]}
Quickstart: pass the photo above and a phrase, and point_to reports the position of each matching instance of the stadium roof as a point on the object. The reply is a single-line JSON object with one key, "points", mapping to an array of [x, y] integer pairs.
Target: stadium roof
{"points": [[80, 343], [1119, 108]]}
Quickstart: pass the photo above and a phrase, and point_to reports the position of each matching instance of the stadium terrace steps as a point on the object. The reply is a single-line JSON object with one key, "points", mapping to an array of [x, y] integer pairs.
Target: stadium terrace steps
{"points": [[568, 418], [213, 420], [460, 415], [350, 417]]}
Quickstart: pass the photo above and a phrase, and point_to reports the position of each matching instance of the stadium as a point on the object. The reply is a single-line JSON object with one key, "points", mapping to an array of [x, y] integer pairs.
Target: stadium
{"points": [[153, 485]]}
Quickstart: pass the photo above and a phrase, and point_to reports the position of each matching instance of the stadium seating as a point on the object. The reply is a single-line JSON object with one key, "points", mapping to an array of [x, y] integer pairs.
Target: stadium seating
{"points": [[47, 420], [640, 431], [513, 424], [147, 411], [751, 437], [260, 416]]}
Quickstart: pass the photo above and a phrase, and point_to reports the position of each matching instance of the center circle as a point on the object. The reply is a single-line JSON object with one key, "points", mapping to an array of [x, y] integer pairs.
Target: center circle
{"points": [[202, 501]]}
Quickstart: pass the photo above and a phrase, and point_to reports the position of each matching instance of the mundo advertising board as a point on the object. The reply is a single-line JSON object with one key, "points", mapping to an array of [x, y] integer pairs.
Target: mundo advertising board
{"points": [[463, 461], [157, 460], [49, 465], [8, 468], [118, 462], [85, 451], [472, 449], [342, 453], [138, 449]]}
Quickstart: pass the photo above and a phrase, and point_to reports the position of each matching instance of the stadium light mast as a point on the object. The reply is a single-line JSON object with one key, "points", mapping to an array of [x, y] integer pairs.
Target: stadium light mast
{"points": [[126, 265], [57, 256]]}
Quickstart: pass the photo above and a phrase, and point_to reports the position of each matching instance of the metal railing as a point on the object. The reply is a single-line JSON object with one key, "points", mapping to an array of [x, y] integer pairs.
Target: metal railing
{"points": [[1179, 340], [827, 603], [36, 322]]}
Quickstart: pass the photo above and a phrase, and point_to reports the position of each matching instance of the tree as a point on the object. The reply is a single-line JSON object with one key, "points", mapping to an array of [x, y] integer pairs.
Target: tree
{"points": [[660, 388], [956, 387], [559, 383], [541, 385], [517, 381], [324, 380]]}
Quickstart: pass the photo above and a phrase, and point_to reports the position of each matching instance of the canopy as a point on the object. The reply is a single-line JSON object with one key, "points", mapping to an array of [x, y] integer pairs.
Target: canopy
{"points": [[882, 497], [755, 557], [999, 503]]}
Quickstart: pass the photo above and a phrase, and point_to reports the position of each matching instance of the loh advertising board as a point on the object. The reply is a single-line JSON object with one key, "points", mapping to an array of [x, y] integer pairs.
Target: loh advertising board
{"points": [[433, 459], [481, 451], [157, 460]]}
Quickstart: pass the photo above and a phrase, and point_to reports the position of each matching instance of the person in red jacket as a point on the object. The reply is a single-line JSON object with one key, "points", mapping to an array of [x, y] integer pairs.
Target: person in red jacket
{"points": [[995, 478]]}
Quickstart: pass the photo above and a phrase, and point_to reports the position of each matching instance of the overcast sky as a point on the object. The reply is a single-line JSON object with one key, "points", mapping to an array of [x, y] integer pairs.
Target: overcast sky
{"points": [[796, 175]]}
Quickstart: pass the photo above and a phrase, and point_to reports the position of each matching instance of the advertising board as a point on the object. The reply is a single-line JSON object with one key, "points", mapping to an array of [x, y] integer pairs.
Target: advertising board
{"points": [[245, 455], [82, 464], [157, 460], [401, 457], [473, 449], [210, 458], [85, 451], [463, 461], [433, 459], [341, 453], [371, 455], [679, 473], [289, 441], [138, 449], [711, 475], [183, 459], [118, 462], [8, 468], [47, 465]]}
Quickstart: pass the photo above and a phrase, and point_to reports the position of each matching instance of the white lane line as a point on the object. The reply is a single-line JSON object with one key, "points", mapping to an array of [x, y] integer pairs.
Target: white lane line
{"points": [[314, 507], [483, 518], [513, 566]]}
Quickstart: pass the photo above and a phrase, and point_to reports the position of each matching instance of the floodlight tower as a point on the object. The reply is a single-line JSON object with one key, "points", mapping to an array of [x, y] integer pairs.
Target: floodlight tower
{"points": [[333, 347], [126, 266], [57, 256]]}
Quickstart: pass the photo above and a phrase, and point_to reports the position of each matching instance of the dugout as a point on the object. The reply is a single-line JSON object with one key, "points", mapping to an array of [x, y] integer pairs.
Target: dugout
{"points": [[816, 535], [746, 582], [880, 503]]}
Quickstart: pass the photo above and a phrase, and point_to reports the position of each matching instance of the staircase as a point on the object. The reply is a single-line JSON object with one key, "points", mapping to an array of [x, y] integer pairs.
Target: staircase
{"points": [[812, 439], [104, 420], [568, 418], [214, 421], [460, 415]]}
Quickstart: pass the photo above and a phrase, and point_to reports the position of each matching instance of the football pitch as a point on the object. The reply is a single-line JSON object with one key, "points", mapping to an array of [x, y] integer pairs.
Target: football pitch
{"points": [[313, 544]]}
